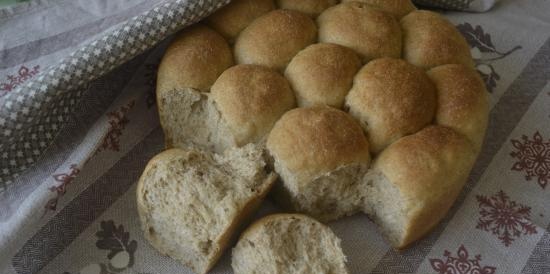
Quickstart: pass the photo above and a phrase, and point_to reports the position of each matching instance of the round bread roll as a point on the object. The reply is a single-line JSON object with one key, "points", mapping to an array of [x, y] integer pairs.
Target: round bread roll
{"points": [[397, 8], [391, 98], [370, 32], [273, 39], [194, 59], [322, 74], [230, 20], [415, 181], [430, 40], [251, 99], [308, 246], [319, 152], [310, 7], [462, 101]]}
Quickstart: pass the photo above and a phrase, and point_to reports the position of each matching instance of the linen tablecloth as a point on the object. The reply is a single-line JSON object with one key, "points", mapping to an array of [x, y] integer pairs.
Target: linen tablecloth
{"points": [[78, 123]]}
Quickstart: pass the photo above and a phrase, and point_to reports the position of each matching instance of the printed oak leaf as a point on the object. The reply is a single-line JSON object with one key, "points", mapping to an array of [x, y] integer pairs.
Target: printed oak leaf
{"points": [[475, 36], [484, 52], [121, 250], [115, 239]]}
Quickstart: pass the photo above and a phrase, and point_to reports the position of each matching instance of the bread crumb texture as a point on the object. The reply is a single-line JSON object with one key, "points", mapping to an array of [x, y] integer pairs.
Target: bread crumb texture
{"points": [[288, 243], [190, 201]]}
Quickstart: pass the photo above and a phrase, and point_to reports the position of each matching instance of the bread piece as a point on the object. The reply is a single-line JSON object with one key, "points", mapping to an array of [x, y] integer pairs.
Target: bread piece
{"points": [[190, 203], [397, 8], [190, 118], [430, 40], [244, 104], [274, 38], [370, 32], [195, 59], [415, 181], [322, 74], [320, 154], [462, 101], [288, 244], [230, 20], [391, 98], [251, 99], [310, 7]]}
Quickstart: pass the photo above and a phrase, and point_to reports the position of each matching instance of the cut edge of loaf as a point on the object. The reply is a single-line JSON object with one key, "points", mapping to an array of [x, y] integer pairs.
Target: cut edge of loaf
{"points": [[268, 244], [327, 197], [190, 118], [194, 241], [414, 183], [384, 205], [245, 217]]}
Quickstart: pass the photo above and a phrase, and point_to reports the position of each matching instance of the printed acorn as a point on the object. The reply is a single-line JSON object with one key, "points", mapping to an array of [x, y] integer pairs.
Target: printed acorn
{"points": [[91, 269], [120, 261]]}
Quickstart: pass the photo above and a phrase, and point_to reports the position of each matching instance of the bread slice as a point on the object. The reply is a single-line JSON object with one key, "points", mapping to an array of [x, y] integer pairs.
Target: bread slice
{"points": [[288, 244], [190, 203]]}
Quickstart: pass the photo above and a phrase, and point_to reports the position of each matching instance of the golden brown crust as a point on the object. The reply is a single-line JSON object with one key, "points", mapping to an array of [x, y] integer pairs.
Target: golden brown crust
{"points": [[251, 99], [310, 7], [194, 60], [370, 32], [462, 101], [430, 40], [397, 8], [429, 168], [230, 20], [391, 98], [322, 74], [274, 38], [315, 140]]}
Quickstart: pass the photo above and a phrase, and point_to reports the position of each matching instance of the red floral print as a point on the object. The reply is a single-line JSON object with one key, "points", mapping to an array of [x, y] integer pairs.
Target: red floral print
{"points": [[461, 264], [533, 158], [13, 81], [117, 123], [64, 179], [504, 218]]}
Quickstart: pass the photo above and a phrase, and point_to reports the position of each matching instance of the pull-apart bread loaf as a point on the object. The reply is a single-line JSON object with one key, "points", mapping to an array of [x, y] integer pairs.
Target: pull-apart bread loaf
{"points": [[191, 202], [288, 243], [360, 106]]}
